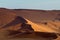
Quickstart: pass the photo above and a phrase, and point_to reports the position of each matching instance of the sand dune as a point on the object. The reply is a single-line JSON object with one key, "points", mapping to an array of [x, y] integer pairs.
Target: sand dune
{"points": [[33, 17]]}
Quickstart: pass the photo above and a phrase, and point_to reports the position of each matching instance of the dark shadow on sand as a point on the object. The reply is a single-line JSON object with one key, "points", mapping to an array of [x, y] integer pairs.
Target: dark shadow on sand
{"points": [[17, 20], [17, 34]]}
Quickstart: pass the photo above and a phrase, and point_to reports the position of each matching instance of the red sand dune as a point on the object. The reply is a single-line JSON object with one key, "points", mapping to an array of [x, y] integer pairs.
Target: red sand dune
{"points": [[35, 18]]}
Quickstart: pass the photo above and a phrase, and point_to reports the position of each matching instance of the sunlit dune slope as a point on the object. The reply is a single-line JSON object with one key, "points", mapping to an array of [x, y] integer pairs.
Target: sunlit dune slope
{"points": [[40, 28]]}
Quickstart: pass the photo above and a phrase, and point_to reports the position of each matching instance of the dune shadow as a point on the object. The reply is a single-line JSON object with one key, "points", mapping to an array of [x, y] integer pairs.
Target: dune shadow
{"points": [[17, 34], [17, 20]]}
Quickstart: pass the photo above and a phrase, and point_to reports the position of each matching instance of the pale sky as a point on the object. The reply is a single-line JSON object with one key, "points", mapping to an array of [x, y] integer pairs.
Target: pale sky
{"points": [[31, 4]]}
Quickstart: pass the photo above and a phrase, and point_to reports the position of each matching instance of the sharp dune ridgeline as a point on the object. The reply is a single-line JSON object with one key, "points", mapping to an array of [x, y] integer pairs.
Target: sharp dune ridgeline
{"points": [[30, 21]]}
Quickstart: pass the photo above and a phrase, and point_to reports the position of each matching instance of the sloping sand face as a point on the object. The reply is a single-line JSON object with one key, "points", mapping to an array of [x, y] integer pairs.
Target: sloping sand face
{"points": [[40, 28]]}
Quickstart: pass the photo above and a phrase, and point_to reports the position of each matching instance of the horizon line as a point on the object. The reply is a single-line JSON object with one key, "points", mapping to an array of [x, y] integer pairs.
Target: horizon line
{"points": [[28, 8]]}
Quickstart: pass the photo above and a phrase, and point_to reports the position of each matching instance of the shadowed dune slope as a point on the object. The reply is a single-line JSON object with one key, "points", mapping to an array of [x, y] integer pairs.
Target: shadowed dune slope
{"points": [[16, 21]]}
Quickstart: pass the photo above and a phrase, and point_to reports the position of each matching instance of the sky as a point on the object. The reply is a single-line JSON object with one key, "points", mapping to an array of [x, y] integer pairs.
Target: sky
{"points": [[31, 4]]}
